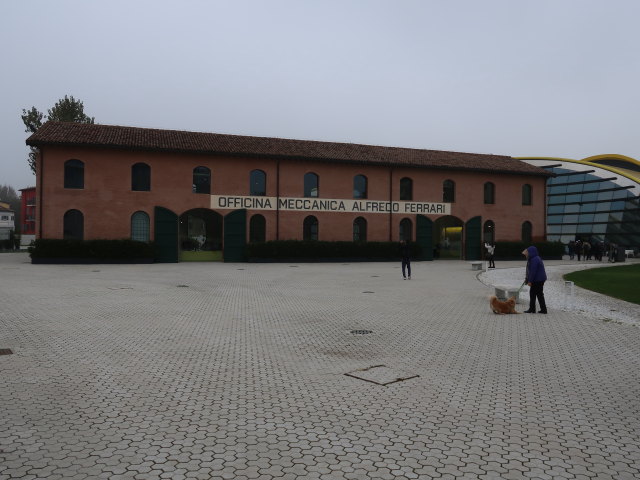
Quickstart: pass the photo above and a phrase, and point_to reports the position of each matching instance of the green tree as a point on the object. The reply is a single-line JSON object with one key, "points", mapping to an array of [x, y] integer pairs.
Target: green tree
{"points": [[67, 109]]}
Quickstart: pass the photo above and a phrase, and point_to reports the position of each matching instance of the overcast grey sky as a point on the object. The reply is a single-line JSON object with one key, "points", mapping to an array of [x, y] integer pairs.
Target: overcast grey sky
{"points": [[544, 78]]}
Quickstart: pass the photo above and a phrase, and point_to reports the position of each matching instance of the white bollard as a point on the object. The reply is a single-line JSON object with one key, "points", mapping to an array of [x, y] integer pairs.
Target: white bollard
{"points": [[568, 295]]}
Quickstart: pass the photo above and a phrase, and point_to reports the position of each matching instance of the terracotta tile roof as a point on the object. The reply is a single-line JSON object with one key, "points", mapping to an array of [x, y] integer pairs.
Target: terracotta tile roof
{"points": [[132, 138]]}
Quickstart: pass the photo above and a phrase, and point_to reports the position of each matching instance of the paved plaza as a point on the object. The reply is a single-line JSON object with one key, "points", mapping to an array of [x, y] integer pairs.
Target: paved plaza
{"points": [[239, 371]]}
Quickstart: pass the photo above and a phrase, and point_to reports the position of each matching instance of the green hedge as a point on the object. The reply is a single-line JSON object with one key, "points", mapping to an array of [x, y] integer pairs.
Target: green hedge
{"points": [[513, 250], [91, 249], [311, 250]]}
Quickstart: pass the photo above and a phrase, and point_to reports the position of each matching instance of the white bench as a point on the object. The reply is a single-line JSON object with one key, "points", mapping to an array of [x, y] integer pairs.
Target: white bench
{"points": [[504, 293], [476, 265], [629, 253]]}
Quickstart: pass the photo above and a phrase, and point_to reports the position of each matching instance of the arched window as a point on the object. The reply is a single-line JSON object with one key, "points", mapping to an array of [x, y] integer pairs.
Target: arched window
{"points": [[489, 232], [73, 225], [201, 180], [140, 227], [257, 229], [257, 183], [526, 194], [73, 174], [526, 232], [448, 191], [140, 177], [406, 230], [310, 228], [310, 185], [489, 193], [359, 186], [359, 230], [406, 189]]}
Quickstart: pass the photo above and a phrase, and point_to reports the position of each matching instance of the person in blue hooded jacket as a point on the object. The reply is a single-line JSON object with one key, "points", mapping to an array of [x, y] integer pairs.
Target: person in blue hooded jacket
{"points": [[535, 278]]}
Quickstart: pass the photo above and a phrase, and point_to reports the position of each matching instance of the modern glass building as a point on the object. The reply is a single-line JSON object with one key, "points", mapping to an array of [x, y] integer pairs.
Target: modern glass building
{"points": [[594, 199]]}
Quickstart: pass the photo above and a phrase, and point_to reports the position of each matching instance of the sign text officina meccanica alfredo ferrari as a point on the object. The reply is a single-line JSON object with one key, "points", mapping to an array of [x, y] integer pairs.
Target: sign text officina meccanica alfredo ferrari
{"points": [[227, 202]]}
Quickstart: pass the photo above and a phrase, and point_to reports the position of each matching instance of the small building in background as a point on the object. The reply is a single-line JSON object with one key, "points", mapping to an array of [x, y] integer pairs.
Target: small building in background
{"points": [[7, 222], [28, 216]]}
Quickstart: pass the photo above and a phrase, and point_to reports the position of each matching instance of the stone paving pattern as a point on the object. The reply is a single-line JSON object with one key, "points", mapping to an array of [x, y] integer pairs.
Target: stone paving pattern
{"points": [[237, 371]]}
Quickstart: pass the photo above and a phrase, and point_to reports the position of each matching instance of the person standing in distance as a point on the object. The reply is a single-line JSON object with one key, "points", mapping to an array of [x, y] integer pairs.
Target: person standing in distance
{"points": [[406, 261], [491, 248], [535, 278]]}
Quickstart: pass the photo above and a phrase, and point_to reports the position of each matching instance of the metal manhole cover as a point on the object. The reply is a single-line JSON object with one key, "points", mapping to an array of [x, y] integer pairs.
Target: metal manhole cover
{"points": [[5, 351], [381, 375], [361, 332]]}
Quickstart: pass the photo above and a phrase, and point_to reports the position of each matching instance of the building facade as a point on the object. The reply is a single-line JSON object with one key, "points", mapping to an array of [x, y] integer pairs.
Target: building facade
{"points": [[206, 195], [28, 216], [596, 199], [7, 221]]}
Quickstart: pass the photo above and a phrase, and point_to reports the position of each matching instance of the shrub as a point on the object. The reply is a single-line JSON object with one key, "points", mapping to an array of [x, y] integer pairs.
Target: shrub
{"points": [[513, 250], [315, 250], [91, 249]]}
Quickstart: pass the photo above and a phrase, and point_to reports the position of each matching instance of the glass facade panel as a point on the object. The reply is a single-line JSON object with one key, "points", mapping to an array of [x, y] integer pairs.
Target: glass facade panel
{"points": [[574, 208], [555, 209], [585, 218], [574, 188], [620, 194]]}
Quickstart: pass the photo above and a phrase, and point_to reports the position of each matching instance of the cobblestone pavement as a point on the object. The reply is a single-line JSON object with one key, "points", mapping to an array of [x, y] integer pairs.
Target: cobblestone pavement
{"points": [[237, 371]]}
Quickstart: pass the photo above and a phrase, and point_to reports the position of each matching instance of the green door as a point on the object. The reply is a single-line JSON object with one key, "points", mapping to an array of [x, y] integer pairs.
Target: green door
{"points": [[424, 237], [472, 239], [235, 236], [166, 235]]}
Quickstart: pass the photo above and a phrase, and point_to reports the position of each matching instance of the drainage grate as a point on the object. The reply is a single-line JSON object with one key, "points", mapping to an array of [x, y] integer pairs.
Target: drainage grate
{"points": [[361, 332], [368, 291], [5, 351], [182, 286], [381, 375]]}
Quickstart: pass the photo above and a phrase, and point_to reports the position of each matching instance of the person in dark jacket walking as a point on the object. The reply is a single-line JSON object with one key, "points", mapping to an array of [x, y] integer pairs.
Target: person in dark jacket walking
{"points": [[406, 261], [535, 278]]}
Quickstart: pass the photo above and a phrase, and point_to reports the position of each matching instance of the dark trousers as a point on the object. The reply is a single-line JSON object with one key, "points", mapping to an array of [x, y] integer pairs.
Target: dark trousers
{"points": [[537, 291], [492, 264], [406, 264]]}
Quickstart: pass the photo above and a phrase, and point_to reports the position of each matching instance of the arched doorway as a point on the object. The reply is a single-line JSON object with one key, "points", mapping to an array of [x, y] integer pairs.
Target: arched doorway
{"points": [[200, 236], [447, 237]]}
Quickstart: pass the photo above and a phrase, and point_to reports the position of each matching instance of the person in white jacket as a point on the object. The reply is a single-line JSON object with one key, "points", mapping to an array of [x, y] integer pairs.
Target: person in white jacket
{"points": [[490, 250]]}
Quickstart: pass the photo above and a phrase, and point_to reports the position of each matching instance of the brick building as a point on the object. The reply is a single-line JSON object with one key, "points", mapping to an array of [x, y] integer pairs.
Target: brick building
{"points": [[28, 216], [204, 195]]}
